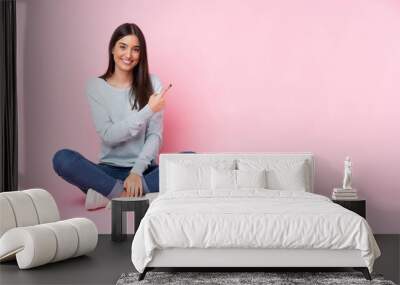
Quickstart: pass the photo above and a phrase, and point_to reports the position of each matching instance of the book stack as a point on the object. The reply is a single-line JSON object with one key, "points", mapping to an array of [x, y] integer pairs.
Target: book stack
{"points": [[344, 194]]}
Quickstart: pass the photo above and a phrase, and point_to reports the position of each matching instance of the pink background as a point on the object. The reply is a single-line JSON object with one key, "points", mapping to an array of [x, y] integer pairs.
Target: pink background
{"points": [[248, 76]]}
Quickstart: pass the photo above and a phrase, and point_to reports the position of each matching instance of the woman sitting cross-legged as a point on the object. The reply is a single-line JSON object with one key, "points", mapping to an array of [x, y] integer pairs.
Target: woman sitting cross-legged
{"points": [[127, 108]]}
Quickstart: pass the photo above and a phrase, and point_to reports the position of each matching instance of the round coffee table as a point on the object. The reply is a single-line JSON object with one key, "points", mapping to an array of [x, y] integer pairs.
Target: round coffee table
{"points": [[119, 207]]}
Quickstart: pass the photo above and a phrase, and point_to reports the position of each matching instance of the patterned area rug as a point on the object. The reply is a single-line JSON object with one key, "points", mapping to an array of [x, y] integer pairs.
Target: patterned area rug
{"points": [[269, 278]]}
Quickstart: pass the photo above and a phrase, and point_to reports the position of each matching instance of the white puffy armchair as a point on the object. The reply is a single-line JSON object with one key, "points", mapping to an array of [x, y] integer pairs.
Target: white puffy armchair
{"points": [[31, 230]]}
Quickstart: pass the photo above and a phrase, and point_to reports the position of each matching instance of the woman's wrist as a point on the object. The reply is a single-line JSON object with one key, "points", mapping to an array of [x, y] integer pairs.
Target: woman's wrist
{"points": [[136, 172]]}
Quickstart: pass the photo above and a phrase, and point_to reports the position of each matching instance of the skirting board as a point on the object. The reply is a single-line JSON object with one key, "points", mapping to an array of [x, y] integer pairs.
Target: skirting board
{"points": [[189, 257]]}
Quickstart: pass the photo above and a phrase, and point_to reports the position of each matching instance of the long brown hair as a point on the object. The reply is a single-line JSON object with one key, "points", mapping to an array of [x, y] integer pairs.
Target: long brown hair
{"points": [[141, 83]]}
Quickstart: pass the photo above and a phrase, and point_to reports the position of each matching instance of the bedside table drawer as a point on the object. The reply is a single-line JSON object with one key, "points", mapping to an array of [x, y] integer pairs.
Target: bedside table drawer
{"points": [[357, 206]]}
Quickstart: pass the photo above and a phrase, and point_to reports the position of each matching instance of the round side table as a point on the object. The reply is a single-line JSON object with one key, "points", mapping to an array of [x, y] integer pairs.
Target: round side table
{"points": [[119, 207]]}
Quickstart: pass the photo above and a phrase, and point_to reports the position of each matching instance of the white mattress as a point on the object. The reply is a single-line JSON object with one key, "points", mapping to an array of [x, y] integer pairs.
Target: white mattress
{"points": [[250, 218]]}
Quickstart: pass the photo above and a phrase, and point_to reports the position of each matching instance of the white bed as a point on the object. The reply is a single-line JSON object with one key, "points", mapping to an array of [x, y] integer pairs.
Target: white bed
{"points": [[198, 223]]}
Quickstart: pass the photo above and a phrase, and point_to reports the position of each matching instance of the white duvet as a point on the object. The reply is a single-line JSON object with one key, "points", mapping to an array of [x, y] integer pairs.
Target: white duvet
{"points": [[251, 218]]}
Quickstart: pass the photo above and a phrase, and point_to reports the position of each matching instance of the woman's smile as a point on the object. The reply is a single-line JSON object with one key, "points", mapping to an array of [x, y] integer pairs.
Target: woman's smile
{"points": [[127, 61]]}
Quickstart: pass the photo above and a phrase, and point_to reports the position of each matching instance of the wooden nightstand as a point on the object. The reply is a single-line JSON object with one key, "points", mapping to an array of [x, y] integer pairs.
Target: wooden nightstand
{"points": [[357, 206]]}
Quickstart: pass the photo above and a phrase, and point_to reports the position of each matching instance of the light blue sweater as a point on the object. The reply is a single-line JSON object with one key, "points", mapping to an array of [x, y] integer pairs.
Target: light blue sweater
{"points": [[129, 137]]}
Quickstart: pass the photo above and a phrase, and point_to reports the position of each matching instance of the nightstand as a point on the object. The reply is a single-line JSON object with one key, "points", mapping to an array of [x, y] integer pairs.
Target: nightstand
{"points": [[357, 206]]}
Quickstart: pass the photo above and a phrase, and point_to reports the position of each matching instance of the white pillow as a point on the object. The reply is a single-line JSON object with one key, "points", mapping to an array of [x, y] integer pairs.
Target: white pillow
{"points": [[183, 177], [236, 179], [251, 178], [282, 174], [188, 175], [223, 179]]}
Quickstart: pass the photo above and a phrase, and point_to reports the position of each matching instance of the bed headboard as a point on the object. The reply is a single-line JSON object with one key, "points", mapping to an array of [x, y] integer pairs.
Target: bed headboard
{"points": [[165, 158]]}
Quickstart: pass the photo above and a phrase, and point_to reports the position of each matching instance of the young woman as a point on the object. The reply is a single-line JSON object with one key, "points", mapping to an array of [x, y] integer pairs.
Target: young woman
{"points": [[127, 108]]}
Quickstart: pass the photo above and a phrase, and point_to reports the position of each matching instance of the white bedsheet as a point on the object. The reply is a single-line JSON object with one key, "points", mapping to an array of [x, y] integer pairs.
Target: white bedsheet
{"points": [[251, 218]]}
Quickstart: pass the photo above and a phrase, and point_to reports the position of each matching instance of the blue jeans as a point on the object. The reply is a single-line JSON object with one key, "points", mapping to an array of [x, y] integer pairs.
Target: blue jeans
{"points": [[103, 178]]}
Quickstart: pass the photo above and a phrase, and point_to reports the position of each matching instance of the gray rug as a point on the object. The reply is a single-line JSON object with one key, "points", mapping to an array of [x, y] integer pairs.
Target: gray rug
{"points": [[269, 278]]}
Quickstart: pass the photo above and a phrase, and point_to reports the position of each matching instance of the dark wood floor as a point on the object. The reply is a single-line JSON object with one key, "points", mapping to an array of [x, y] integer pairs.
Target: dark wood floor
{"points": [[110, 260]]}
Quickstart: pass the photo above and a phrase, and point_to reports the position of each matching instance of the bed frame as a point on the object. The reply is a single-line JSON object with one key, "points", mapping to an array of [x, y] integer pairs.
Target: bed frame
{"points": [[241, 259]]}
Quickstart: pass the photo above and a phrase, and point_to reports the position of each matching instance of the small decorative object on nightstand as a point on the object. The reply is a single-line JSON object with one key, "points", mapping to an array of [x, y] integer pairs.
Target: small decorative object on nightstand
{"points": [[358, 206], [347, 178], [119, 207], [346, 192]]}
